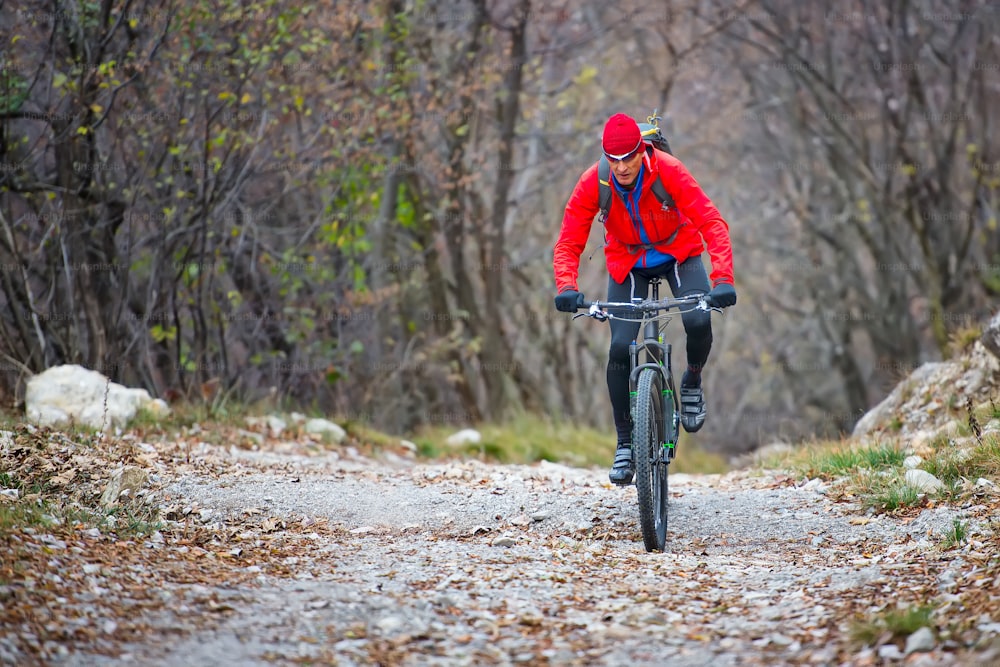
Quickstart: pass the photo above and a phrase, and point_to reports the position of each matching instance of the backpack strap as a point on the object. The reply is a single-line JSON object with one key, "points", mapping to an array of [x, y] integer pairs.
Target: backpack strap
{"points": [[604, 187], [661, 193]]}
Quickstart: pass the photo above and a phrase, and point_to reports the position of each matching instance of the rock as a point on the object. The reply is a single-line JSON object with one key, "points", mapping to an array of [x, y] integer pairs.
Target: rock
{"points": [[911, 462], [991, 336], [464, 437], [325, 427], [390, 624], [923, 480], [920, 641], [129, 479], [503, 541], [408, 446], [879, 416], [274, 424], [889, 653], [73, 394]]}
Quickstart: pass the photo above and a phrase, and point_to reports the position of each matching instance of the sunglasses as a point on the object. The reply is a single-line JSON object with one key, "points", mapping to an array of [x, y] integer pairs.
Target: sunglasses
{"points": [[613, 159]]}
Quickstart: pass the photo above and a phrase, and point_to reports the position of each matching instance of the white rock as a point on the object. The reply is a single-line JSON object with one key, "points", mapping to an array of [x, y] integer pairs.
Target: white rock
{"points": [[911, 462], [984, 483], [325, 427], [920, 641], [73, 394], [464, 437], [923, 480], [504, 541], [889, 652], [408, 446], [276, 425]]}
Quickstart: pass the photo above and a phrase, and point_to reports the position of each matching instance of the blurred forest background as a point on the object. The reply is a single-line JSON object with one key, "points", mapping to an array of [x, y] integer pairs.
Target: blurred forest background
{"points": [[350, 206]]}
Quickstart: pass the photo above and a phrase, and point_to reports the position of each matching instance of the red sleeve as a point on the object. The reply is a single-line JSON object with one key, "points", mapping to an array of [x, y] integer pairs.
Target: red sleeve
{"points": [[692, 201], [582, 207]]}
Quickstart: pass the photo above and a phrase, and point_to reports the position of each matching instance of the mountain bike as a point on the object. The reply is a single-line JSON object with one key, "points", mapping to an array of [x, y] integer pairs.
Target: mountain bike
{"points": [[655, 405]]}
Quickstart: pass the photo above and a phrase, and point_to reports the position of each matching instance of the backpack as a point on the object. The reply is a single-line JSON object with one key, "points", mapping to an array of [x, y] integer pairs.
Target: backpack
{"points": [[653, 137]]}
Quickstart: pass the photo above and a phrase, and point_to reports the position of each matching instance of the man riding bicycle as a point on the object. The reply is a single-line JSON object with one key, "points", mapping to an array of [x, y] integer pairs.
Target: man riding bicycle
{"points": [[647, 239]]}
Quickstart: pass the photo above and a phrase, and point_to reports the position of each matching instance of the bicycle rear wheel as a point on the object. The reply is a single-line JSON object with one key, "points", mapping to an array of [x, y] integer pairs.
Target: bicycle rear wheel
{"points": [[650, 461]]}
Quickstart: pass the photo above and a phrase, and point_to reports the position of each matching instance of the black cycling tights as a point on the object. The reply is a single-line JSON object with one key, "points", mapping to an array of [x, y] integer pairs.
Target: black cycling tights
{"points": [[684, 279]]}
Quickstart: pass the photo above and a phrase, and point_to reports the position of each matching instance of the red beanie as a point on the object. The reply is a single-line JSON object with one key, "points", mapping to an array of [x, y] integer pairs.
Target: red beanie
{"points": [[621, 135]]}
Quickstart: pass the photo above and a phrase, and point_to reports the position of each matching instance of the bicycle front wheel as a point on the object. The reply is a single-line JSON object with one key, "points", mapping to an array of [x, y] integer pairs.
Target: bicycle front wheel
{"points": [[650, 461]]}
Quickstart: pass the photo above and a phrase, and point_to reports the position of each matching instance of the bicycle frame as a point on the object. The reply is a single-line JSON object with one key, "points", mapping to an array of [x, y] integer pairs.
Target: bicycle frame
{"points": [[658, 356]]}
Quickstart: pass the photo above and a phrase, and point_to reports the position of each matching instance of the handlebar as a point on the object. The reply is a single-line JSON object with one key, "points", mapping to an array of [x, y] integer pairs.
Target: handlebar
{"points": [[597, 309]]}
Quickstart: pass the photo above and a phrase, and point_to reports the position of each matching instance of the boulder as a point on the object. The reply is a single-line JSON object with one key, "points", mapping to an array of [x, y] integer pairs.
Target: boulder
{"points": [[466, 436], [991, 336], [920, 403], [923, 481], [73, 394], [327, 428]]}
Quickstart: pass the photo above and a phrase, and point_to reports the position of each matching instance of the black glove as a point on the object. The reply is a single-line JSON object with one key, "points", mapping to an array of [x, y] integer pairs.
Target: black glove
{"points": [[569, 301], [722, 295]]}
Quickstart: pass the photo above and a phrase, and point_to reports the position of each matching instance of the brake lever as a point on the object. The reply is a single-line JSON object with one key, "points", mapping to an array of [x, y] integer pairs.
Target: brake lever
{"points": [[703, 305]]}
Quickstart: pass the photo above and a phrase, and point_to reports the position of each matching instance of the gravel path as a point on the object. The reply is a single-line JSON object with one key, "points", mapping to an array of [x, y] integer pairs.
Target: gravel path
{"points": [[472, 563]]}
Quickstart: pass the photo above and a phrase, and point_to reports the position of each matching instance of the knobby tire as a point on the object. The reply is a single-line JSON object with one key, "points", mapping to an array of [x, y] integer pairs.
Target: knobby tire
{"points": [[650, 467]]}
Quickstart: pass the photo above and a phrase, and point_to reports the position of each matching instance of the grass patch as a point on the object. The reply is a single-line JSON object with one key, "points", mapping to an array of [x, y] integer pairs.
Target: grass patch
{"points": [[830, 460], [884, 490], [131, 521], [955, 535], [20, 515], [529, 438], [961, 340], [899, 623]]}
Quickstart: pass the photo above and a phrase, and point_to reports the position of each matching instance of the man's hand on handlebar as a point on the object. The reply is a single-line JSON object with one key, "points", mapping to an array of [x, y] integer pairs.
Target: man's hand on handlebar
{"points": [[569, 301], [722, 295]]}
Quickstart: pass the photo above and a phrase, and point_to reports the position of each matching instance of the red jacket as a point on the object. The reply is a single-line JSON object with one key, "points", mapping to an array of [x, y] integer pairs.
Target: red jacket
{"points": [[698, 220]]}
